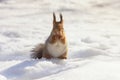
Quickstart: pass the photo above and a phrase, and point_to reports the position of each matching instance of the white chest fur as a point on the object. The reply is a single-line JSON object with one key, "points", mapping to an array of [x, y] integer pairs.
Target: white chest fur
{"points": [[56, 49]]}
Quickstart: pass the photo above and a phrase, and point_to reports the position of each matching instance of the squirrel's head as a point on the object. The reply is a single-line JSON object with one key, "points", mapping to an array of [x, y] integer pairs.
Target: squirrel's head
{"points": [[58, 30], [57, 24]]}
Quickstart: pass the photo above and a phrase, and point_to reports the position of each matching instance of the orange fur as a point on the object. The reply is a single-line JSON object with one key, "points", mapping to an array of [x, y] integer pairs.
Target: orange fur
{"points": [[57, 36]]}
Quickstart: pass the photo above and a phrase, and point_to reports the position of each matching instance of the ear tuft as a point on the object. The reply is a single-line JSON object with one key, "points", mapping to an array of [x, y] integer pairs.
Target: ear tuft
{"points": [[61, 18], [54, 18]]}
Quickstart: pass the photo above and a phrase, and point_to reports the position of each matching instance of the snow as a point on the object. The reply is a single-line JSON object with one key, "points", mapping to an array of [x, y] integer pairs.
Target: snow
{"points": [[93, 35]]}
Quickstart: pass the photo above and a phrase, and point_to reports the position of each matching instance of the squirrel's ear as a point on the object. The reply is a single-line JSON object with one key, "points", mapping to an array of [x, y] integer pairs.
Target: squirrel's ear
{"points": [[54, 18], [61, 18]]}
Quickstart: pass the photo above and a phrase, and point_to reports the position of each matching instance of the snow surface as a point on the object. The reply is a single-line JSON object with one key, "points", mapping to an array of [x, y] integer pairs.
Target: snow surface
{"points": [[93, 33]]}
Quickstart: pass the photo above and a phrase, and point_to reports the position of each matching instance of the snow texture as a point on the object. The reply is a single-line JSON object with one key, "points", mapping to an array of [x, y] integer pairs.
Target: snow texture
{"points": [[93, 33]]}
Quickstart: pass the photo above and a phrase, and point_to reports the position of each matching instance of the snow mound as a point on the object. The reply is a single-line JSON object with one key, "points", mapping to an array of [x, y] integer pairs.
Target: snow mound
{"points": [[2, 77]]}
